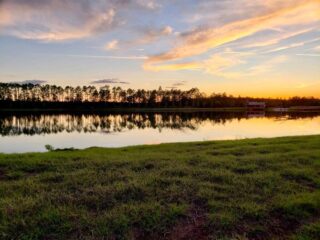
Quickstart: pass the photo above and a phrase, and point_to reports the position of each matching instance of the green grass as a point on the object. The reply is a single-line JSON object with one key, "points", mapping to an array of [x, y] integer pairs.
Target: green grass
{"points": [[246, 189]]}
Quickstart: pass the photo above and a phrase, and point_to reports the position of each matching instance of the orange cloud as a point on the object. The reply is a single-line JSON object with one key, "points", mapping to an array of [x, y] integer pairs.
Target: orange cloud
{"points": [[112, 45], [217, 63], [172, 67], [200, 41], [221, 65]]}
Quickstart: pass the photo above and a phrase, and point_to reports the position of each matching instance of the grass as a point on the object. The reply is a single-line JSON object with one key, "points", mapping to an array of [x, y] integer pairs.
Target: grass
{"points": [[244, 189]]}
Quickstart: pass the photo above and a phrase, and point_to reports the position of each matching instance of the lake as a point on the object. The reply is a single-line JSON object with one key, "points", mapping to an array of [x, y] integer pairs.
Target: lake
{"points": [[30, 132]]}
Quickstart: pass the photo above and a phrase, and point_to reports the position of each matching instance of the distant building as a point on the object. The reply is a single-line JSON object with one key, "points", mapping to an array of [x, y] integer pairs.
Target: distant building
{"points": [[256, 105]]}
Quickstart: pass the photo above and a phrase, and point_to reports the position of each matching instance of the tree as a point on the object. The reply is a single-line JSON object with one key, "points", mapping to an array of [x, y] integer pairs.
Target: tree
{"points": [[51, 94], [104, 94], [78, 94]]}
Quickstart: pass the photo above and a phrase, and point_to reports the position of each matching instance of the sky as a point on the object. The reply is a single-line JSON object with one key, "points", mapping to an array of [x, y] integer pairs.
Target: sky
{"points": [[261, 48]]}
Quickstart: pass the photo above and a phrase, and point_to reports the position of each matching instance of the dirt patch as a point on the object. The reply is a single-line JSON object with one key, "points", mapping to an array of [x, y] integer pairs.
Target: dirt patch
{"points": [[2, 174], [275, 226], [194, 226]]}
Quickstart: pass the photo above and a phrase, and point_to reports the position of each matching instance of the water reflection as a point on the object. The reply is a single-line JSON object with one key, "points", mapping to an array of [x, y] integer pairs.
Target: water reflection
{"points": [[42, 124]]}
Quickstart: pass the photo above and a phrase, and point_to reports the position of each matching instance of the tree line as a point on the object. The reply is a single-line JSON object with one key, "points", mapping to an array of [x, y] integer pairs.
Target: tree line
{"points": [[13, 94]]}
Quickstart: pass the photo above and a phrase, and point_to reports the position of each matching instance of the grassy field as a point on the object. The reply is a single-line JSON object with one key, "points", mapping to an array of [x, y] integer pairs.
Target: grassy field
{"points": [[246, 189]]}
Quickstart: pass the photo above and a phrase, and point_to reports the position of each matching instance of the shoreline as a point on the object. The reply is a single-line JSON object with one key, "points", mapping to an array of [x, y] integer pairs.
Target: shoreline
{"points": [[205, 142]]}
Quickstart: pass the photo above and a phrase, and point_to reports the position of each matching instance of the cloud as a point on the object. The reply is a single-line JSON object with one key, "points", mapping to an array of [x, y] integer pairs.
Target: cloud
{"points": [[201, 13], [146, 35], [220, 62], [61, 20], [167, 30], [181, 83], [152, 34], [224, 65], [215, 64], [34, 82], [109, 81], [132, 57], [269, 41], [201, 45], [203, 39], [176, 85], [172, 67], [292, 45], [267, 66], [151, 4], [308, 54], [112, 45], [58, 20], [256, 70]]}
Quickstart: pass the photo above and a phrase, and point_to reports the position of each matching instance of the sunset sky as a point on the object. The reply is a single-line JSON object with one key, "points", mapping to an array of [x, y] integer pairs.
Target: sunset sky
{"points": [[242, 47]]}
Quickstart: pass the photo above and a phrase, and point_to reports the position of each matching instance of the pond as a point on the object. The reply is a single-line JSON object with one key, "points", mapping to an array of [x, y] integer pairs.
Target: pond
{"points": [[30, 132]]}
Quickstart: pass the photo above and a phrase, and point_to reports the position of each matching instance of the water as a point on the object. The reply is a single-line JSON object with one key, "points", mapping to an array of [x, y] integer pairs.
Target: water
{"points": [[31, 132]]}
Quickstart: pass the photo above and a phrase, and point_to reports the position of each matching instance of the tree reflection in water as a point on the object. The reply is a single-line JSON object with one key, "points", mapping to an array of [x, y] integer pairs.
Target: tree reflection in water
{"points": [[36, 124]]}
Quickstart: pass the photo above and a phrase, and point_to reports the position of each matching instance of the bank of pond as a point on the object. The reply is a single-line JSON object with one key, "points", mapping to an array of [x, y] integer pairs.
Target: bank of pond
{"points": [[239, 189]]}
